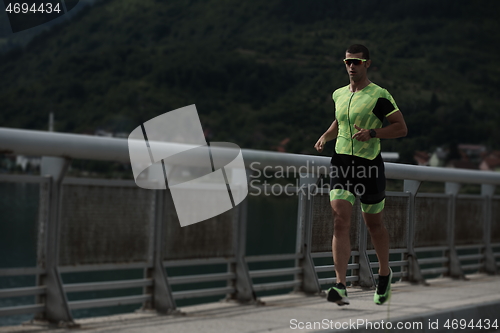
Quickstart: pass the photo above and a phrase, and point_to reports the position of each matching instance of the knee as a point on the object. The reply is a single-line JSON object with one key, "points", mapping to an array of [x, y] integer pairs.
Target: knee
{"points": [[374, 226], [341, 222]]}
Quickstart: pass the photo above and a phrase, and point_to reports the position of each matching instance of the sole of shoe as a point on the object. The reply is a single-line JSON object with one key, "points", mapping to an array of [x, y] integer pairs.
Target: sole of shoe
{"points": [[335, 297]]}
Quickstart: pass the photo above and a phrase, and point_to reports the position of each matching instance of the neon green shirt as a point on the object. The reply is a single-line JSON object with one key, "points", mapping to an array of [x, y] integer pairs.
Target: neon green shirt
{"points": [[365, 108]]}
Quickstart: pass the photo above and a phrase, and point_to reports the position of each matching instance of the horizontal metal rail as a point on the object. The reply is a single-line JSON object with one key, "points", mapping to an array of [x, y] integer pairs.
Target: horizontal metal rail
{"points": [[274, 272], [469, 247], [276, 285], [433, 195], [399, 274], [274, 257], [326, 268], [431, 249], [202, 292], [99, 182], [102, 267], [113, 301], [331, 268], [466, 257], [315, 255], [21, 271], [200, 278], [18, 310], [472, 267], [391, 251], [75, 146], [25, 291], [93, 286], [436, 270], [399, 263], [30, 179], [197, 262], [439, 260]]}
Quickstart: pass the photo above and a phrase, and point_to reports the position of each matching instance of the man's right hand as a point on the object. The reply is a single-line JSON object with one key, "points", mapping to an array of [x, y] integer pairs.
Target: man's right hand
{"points": [[320, 144]]}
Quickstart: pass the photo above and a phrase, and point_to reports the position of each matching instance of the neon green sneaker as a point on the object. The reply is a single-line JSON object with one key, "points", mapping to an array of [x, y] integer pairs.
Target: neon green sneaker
{"points": [[338, 294], [383, 292]]}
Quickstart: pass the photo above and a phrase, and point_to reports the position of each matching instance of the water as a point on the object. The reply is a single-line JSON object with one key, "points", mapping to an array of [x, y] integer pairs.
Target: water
{"points": [[18, 234]]}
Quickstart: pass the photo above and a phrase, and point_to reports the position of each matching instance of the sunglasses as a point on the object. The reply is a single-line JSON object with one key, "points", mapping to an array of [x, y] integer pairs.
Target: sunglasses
{"points": [[355, 61]]}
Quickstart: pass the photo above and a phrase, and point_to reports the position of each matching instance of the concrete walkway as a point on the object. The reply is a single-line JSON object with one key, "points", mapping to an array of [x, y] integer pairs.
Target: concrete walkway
{"points": [[413, 308]]}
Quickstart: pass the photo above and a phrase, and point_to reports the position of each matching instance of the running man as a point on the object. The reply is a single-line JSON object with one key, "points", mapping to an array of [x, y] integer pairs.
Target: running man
{"points": [[358, 169]]}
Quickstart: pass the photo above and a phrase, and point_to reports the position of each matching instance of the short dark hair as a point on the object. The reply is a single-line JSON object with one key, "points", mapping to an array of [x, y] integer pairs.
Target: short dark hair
{"points": [[358, 48]]}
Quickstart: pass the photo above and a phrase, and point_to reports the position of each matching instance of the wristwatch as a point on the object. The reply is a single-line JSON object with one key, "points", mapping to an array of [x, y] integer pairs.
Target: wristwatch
{"points": [[373, 133]]}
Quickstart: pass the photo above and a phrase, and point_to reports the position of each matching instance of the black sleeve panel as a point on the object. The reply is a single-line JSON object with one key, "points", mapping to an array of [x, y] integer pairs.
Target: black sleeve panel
{"points": [[383, 107]]}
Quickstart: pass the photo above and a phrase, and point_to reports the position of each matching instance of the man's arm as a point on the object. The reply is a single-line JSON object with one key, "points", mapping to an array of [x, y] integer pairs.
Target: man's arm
{"points": [[396, 129], [330, 134]]}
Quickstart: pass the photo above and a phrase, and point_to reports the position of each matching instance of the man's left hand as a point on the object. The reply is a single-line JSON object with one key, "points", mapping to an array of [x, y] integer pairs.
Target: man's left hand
{"points": [[363, 134]]}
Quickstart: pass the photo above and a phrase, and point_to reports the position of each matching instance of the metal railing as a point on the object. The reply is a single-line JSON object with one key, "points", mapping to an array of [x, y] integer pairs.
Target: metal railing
{"points": [[79, 231]]}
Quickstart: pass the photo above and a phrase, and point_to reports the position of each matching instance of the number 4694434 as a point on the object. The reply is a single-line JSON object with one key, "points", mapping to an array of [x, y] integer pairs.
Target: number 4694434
{"points": [[461, 324], [25, 8]]}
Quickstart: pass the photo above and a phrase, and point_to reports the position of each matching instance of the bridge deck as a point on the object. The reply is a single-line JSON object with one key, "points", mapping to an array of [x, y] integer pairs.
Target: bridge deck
{"points": [[441, 301]]}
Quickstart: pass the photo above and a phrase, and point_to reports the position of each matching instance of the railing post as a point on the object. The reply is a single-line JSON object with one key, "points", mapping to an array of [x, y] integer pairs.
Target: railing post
{"points": [[163, 302], [243, 284], [414, 273], [310, 283], [487, 191], [43, 221], [455, 269], [56, 302]]}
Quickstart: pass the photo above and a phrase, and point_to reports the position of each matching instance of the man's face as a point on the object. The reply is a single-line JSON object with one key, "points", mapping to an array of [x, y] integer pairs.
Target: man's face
{"points": [[357, 72]]}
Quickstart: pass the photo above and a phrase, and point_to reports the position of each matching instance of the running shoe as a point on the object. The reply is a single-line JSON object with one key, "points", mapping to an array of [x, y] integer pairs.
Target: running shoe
{"points": [[383, 292], [338, 294]]}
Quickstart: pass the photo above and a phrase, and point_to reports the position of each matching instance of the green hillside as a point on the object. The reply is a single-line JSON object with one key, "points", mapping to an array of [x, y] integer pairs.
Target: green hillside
{"points": [[8, 40], [260, 71]]}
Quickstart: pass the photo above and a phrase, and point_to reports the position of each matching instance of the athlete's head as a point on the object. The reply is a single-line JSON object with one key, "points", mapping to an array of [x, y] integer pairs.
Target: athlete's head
{"points": [[357, 60], [358, 48]]}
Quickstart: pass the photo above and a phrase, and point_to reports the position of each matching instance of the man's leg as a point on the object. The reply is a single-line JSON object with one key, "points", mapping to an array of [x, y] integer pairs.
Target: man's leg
{"points": [[380, 240], [341, 245], [341, 242]]}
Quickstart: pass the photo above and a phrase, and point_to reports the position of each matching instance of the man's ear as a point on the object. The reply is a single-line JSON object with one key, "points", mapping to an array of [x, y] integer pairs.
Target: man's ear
{"points": [[368, 63]]}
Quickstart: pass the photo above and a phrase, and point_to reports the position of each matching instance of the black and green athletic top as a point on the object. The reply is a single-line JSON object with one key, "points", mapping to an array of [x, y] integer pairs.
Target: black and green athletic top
{"points": [[365, 108]]}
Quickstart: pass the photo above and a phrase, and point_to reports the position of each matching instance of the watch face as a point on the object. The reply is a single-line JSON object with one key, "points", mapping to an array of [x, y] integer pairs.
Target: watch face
{"points": [[373, 133]]}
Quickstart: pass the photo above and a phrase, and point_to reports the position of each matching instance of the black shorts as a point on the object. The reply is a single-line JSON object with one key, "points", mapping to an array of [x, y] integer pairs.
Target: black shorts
{"points": [[360, 176]]}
